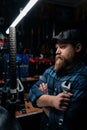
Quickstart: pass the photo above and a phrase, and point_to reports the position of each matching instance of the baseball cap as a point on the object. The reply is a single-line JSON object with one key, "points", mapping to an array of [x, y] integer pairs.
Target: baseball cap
{"points": [[71, 36]]}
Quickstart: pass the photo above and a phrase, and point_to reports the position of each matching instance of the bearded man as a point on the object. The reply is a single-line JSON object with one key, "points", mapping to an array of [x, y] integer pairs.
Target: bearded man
{"points": [[62, 90]]}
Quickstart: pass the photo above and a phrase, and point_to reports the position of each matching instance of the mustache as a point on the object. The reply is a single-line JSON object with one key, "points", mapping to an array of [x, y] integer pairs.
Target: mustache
{"points": [[58, 57]]}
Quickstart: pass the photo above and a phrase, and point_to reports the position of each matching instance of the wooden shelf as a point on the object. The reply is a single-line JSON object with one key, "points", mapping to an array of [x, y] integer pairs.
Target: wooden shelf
{"points": [[30, 79], [29, 110]]}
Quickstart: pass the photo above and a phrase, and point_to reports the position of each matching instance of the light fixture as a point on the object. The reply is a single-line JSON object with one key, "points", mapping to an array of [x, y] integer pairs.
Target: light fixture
{"points": [[30, 4]]}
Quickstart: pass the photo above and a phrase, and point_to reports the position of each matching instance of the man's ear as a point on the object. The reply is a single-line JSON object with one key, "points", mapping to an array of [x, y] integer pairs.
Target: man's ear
{"points": [[78, 47]]}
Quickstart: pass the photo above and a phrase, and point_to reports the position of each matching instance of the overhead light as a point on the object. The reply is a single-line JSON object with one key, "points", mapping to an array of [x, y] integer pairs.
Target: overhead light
{"points": [[30, 4]]}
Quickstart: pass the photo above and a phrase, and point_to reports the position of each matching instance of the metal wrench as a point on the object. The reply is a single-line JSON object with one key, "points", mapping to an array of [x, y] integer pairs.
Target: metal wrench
{"points": [[66, 88]]}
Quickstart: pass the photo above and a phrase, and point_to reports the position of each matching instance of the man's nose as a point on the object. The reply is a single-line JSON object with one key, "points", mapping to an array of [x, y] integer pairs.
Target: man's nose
{"points": [[58, 51]]}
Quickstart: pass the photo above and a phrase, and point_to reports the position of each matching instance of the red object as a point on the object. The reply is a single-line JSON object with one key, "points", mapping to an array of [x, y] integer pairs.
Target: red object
{"points": [[31, 60], [3, 42], [38, 59]]}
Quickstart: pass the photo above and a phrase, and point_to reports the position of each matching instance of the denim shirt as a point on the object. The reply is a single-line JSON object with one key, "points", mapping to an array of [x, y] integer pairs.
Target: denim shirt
{"points": [[77, 110]]}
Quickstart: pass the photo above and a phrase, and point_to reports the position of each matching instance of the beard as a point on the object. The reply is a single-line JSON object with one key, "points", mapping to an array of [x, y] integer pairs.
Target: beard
{"points": [[60, 63]]}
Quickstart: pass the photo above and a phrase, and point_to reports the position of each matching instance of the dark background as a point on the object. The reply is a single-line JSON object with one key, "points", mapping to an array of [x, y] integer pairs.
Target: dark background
{"points": [[44, 20]]}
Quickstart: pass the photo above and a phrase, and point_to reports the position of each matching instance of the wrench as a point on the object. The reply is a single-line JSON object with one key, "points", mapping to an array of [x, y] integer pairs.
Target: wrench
{"points": [[66, 88]]}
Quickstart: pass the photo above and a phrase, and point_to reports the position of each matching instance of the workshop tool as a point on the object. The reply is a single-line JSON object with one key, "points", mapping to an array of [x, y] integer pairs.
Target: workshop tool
{"points": [[65, 88]]}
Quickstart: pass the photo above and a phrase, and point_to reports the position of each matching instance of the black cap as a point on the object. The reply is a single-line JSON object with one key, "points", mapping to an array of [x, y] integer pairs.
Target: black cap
{"points": [[71, 36]]}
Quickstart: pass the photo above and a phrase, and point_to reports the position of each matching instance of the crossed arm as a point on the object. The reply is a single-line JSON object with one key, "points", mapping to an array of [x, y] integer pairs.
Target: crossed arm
{"points": [[60, 101]]}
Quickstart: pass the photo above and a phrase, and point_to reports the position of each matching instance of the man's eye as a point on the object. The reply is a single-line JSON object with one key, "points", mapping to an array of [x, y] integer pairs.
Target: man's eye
{"points": [[63, 46]]}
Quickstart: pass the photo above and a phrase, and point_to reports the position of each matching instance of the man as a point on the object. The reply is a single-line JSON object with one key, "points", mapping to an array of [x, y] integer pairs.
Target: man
{"points": [[62, 90]]}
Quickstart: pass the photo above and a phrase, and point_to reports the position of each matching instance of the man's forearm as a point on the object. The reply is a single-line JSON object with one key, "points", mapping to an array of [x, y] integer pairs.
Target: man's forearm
{"points": [[60, 101], [45, 101]]}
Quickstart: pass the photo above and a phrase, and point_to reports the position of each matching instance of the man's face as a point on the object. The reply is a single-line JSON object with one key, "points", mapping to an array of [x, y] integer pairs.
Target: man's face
{"points": [[65, 54]]}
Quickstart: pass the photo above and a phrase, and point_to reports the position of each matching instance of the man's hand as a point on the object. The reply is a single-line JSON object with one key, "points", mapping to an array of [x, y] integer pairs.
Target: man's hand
{"points": [[61, 101], [43, 88]]}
